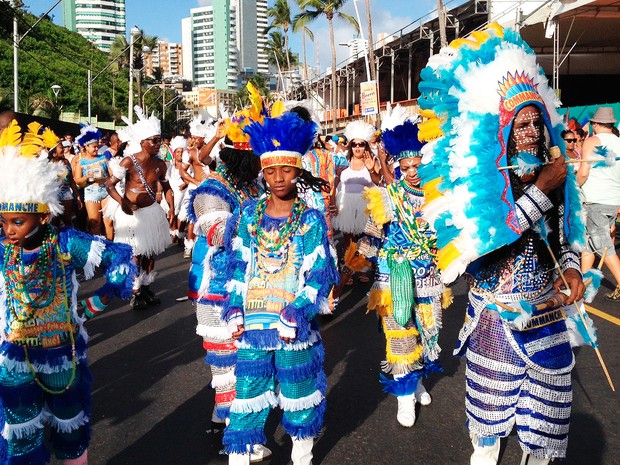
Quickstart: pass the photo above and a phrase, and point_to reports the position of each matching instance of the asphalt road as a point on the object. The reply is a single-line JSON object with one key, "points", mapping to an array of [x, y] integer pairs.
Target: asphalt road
{"points": [[152, 403]]}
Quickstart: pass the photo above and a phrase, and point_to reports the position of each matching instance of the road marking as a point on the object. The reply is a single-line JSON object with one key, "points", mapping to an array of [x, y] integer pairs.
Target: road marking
{"points": [[341, 316], [603, 315]]}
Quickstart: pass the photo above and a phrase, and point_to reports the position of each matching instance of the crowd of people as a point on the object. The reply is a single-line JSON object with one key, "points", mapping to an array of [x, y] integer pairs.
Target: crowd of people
{"points": [[278, 220]]}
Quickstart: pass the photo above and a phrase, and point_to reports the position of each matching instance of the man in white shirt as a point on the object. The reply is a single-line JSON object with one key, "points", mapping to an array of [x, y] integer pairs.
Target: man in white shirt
{"points": [[601, 193]]}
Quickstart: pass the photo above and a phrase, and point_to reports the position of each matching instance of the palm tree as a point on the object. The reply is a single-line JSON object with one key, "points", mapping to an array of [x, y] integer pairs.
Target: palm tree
{"points": [[277, 54], [119, 52], [280, 14], [313, 9], [304, 32]]}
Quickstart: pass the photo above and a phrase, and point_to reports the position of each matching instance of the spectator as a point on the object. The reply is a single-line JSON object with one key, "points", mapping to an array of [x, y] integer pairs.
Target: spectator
{"points": [[601, 193]]}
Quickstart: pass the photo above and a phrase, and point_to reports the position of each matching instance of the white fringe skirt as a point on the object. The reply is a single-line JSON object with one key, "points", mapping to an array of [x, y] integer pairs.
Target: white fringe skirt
{"points": [[146, 231], [352, 215]]}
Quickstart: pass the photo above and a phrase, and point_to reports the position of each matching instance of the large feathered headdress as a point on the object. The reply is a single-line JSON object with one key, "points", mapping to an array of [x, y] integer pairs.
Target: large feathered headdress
{"points": [[470, 94], [28, 183], [359, 130], [255, 113], [282, 141], [143, 128], [400, 133], [88, 135]]}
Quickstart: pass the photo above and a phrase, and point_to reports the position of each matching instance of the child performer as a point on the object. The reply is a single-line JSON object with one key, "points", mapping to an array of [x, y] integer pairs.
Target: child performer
{"points": [[282, 272], [44, 375], [407, 292]]}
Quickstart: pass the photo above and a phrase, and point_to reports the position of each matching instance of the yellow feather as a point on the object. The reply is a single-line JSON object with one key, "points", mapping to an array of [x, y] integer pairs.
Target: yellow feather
{"points": [[447, 298], [35, 127], [353, 260], [30, 151], [376, 206], [447, 255], [380, 300], [277, 108], [50, 139], [12, 135]]}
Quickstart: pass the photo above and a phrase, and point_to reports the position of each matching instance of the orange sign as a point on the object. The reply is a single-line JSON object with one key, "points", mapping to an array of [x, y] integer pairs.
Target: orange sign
{"points": [[207, 97]]}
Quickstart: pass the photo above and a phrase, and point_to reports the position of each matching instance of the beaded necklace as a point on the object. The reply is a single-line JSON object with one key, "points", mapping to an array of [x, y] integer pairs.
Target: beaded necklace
{"points": [[71, 337], [412, 189], [22, 279], [409, 218], [285, 233], [19, 283]]}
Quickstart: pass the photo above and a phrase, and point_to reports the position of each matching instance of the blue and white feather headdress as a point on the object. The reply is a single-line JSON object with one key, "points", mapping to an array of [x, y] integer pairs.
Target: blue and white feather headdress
{"points": [[400, 133], [470, 94], [88, 135], [283, 140]]}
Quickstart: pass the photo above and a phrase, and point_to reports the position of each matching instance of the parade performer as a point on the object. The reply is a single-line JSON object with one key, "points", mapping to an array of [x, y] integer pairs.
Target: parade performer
{"points": [[212, 203], [91, 171], [505, 210], [140, 221], [407, 292], [44, 374], [195, 166], [178, 147], [282, 272]]}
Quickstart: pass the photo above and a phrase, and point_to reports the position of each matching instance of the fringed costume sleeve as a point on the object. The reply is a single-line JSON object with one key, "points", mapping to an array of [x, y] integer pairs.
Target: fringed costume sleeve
{"points": [[317, 276], [211, 205], [89, 252], [237, 240]]}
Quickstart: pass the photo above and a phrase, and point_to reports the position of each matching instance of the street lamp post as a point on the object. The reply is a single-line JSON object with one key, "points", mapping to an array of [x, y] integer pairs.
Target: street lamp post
{"points": [[135, 33], [17, 39], [56, 89]]}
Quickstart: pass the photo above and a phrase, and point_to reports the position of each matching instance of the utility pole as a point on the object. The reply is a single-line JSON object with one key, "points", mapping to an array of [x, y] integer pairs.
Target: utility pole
{"points": [[441, 14], [16, 42]]}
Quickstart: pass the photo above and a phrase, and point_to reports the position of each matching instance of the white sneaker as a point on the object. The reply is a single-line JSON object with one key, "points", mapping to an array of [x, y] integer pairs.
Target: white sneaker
{"points": [[421, 395], [259, 453], [406, 410]]}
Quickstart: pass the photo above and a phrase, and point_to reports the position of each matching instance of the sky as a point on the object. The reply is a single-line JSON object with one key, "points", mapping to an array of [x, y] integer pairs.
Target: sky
{"points": [[163, 19]]}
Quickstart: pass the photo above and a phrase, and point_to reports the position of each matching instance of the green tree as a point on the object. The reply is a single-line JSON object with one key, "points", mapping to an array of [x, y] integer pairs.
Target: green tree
{"points": [[51, 55], [280, 14], [314, 9]]}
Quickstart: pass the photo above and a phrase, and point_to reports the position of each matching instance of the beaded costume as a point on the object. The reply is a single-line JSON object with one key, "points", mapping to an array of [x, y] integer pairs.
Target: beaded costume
{"points": [[407, 290], [212, 204], [44, 374], [281, 273], [278, 285], [491, 221]]}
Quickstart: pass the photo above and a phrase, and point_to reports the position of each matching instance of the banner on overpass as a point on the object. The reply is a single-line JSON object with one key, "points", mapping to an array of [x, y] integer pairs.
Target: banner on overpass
{"points": [[369, 98]]}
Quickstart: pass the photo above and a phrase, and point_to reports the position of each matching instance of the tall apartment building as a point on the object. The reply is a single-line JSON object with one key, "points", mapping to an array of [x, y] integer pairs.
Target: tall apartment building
{"points": [[166, 56], [216, 52], [100, 21]]}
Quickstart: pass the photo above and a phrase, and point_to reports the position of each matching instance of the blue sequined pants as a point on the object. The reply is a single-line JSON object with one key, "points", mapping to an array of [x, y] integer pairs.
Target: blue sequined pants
{"points": [[503, 390], [302, 385], [26, 408]]}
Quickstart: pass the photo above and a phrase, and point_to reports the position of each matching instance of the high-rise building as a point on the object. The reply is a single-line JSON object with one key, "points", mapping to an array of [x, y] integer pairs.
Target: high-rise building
{"points": [[100, 21], [167, 57], [215, 52]]}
